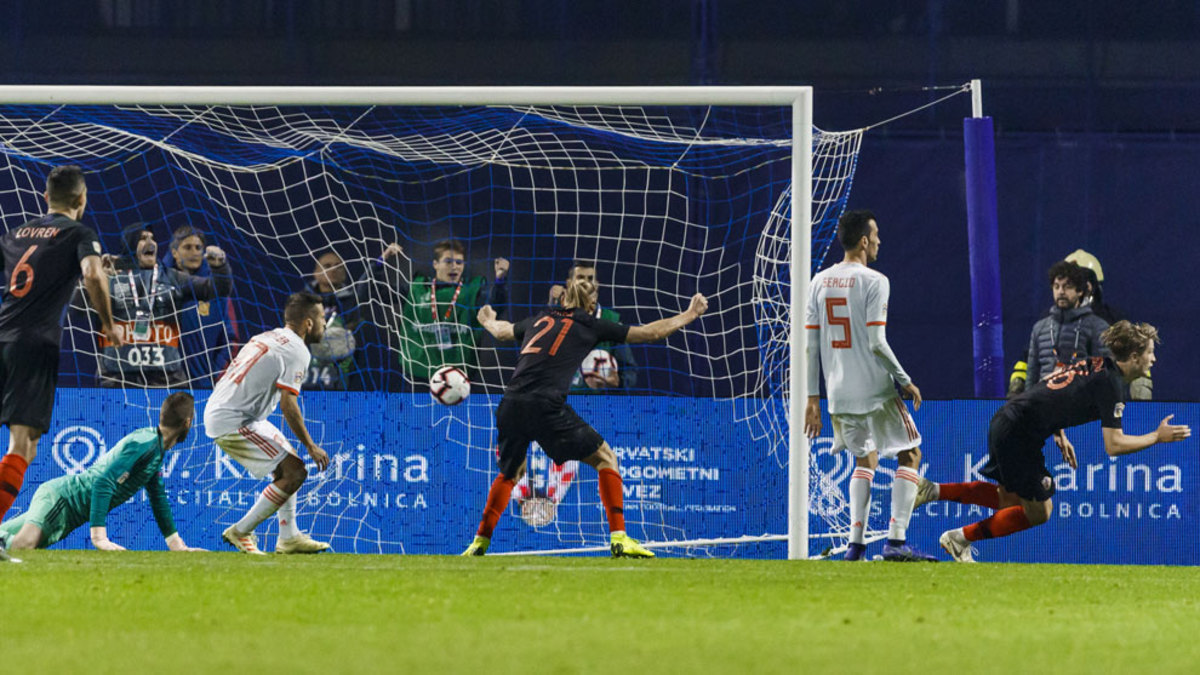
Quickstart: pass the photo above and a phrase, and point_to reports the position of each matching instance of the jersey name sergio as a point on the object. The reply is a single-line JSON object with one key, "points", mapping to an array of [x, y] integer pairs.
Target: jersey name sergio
{"points": [[844, 300]]}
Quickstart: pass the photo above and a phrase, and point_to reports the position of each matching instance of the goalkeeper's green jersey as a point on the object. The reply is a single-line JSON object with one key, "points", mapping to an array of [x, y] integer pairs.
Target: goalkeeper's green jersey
{"points": [[116, 476]]}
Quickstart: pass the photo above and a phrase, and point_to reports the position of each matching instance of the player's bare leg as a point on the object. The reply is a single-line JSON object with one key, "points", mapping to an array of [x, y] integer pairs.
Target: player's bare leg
{"points": [[22, 449], [289, 476], [26, 538], [904, 492], [497, 501], [604, 460]]}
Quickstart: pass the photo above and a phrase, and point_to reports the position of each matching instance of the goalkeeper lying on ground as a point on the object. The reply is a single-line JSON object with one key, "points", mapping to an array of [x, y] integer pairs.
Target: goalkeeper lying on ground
{"points": [[61, 505]]}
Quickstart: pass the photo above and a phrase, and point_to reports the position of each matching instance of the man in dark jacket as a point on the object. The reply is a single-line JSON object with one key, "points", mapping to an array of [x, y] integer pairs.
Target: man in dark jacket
{"points": [[1072, 330], [146, 299]]}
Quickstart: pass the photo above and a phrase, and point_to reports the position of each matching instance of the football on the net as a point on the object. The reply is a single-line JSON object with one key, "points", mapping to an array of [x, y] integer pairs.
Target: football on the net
{"points": [[598, 363], [449, 386]]}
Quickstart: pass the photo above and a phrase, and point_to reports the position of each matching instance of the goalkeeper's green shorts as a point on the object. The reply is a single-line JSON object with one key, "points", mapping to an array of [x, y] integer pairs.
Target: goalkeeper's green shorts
{"points": [[50, 511]]}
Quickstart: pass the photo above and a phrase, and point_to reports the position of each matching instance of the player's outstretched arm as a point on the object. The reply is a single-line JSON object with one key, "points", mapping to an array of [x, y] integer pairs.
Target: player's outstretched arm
{"points": [[289, 405], [1117, 443], [95, 280], [659, 330], [501, 330]]}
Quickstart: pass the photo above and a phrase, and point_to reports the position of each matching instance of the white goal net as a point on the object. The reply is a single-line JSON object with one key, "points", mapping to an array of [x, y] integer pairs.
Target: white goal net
{"points": [[356, 202]]}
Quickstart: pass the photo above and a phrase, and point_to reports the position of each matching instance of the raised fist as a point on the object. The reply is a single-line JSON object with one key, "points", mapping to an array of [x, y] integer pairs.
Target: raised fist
{"points": [[215, 256]]}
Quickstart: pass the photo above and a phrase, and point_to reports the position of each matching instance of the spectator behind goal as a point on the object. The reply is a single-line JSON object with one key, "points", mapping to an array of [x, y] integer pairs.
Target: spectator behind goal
{"points": [[209, 328]]}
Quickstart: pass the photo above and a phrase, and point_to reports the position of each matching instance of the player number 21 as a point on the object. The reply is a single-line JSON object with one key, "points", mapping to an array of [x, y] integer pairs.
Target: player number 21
{"points": [[549, 326], [834, 320]]}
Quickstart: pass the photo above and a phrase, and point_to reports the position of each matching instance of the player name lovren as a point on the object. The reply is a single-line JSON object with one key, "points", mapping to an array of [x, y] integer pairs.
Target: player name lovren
{"points": [[35, 232], [838, 282]]}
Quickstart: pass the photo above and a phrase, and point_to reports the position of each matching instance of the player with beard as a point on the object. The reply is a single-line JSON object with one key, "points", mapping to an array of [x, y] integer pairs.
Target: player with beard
{"points": [[268, 371], [44, 260], [534, 406]]}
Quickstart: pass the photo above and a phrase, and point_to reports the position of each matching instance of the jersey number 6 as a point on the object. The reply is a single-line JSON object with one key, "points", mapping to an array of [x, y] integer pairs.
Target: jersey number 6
{"points": [[19, 290]]}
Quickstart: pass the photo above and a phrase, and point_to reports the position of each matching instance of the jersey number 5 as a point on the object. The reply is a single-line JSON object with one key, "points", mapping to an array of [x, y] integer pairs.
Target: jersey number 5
{"points": [[549, 325], [843, 321]]}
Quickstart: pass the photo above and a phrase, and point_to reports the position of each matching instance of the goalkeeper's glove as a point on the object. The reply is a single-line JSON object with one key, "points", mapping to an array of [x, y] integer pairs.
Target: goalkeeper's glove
{"points": [[1016, 381]]}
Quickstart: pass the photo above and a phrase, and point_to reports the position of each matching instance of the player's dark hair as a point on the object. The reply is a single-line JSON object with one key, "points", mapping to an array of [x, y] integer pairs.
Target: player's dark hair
{"points": [[1073, 273], [183, 233], [177, 409], [578, 295], [448, 245], [853, 226], [64, 185], [579, 262], [300, 306], [1126, 339]]}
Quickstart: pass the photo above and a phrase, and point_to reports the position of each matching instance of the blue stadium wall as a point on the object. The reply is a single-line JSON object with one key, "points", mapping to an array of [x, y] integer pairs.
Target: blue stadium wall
{"points": [[1128, 199], [697, 472]]}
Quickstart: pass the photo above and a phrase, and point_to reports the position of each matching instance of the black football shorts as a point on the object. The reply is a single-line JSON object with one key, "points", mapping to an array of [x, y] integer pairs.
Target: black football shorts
{"points": [[561, 432], [1016, 460], [28, 376]]}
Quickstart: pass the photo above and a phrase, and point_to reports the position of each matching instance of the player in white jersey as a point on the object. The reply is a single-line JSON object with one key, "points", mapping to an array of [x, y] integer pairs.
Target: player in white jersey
{"points": [[846, 317], [267, 372]]}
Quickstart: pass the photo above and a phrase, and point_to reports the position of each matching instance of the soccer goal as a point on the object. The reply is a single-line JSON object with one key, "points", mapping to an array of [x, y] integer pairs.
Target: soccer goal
{"points": [[665, 191]]}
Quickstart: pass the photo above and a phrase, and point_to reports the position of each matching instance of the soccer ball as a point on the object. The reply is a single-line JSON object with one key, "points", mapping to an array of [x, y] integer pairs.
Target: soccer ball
{"points": [[599, 363], [337, 344], [449, 386]]}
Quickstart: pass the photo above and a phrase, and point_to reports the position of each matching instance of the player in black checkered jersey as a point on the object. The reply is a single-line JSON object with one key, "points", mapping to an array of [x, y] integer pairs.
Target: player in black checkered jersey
{"points": [[1087, 390], [534, 406], [43, 261]]}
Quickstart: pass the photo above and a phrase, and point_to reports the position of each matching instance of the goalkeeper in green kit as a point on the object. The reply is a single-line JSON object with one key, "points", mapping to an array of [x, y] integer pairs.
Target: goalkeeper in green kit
{"points": [[61, 505]]}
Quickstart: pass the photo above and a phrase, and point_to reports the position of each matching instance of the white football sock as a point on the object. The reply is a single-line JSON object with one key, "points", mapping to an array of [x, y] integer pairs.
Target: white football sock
{"points": [[860, 500], [268, 502], [904, 492], [287, 519]]}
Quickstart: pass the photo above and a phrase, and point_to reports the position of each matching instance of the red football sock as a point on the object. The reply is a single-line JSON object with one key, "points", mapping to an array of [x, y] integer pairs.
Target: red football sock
{"points": [[1001, 524], [613, 499], [12, 475], [980, 492], [497, 502]]}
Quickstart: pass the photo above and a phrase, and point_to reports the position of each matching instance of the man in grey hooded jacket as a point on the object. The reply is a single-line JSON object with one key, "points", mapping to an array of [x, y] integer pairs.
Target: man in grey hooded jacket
{"points": [[1071, 331]]}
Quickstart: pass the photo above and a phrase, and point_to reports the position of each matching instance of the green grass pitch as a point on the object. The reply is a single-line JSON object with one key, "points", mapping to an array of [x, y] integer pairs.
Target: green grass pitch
{"points": [[92, 612]]}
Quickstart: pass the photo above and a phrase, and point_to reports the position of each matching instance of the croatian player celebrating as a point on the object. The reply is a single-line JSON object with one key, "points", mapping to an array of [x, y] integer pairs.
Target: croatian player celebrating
{"points": [[1088, 390], [847, 313], [268, 371], [534, 407]]}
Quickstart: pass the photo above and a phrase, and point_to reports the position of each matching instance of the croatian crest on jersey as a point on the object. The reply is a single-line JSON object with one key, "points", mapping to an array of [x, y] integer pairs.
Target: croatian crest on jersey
{"points": [[1119, 410]]}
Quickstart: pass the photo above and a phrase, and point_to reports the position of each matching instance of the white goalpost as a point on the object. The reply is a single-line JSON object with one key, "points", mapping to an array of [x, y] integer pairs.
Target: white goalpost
{"points": [[659, 185]]}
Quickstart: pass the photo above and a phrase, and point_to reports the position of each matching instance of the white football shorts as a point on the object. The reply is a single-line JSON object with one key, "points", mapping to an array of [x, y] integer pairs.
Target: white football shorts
{"points": [[258, 446], [888, 431]]}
